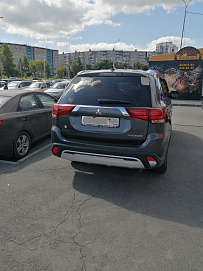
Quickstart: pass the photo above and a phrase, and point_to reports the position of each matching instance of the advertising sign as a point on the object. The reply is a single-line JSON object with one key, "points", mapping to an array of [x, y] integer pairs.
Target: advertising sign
{"points": [[183, 74]]}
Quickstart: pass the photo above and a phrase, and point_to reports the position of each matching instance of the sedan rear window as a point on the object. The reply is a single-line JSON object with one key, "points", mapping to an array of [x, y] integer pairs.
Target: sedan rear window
{"points": [[132, 90]]}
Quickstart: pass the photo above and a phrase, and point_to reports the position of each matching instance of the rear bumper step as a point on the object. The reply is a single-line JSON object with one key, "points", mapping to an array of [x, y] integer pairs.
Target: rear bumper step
{"points": [[101, 159]]}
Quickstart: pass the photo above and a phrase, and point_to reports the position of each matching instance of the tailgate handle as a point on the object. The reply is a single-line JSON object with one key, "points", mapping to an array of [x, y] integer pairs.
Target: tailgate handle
{"points": [[26, 118]]}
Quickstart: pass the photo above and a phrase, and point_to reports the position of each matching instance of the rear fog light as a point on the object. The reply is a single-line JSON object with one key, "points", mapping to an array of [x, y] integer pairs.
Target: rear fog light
{"points": [[55, 150], [151, 161]]}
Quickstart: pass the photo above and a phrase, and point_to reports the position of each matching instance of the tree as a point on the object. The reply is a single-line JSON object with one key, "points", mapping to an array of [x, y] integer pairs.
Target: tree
{"points": [[8, 67], [25, 66], [38, 67], [75, 67], [105, 64], [140, 66], [89, 67], [33, 67], [61, 71], [47, 69]]}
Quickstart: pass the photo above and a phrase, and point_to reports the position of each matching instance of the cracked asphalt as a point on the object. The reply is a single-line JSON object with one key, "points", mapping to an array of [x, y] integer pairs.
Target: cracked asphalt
{"points": [[63, 216]]}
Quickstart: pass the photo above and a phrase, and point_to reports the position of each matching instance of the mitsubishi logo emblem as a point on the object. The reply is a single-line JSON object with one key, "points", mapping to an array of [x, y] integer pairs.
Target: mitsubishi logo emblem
{"points": [[98, 112]]}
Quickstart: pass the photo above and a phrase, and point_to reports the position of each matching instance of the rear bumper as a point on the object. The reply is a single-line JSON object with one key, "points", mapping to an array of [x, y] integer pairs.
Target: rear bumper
{"points": [[102, 159], [111, 155]]}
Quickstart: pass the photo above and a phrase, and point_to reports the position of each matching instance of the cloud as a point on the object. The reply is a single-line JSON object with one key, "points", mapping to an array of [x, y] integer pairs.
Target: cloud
{"points": [[175, 40], [52, 19], [102, 46], [127, 47]]}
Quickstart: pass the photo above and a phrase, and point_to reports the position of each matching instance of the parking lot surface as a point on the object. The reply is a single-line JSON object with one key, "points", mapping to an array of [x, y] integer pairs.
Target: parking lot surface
{"points": [[58, 216]]}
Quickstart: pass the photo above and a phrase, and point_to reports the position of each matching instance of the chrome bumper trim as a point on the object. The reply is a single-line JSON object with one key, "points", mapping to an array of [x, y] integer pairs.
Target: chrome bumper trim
{"points": [[102, 159]]}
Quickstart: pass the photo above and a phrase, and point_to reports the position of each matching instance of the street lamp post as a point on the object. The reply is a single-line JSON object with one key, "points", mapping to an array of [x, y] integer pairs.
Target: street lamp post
{"points": [[186, 5], [114, 54]]}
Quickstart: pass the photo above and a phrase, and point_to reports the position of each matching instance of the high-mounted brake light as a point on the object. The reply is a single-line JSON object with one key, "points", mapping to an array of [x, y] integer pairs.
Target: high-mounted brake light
{"points": [[154, 115], [61, 109], [1, 121]]}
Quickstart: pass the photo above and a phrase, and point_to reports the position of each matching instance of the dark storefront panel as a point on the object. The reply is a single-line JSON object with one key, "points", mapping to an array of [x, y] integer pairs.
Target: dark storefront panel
{"points": [[183, 74]]}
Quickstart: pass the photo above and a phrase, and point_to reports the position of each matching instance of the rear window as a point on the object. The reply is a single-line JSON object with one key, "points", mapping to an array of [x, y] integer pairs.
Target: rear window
{"points": [[134, 90]]}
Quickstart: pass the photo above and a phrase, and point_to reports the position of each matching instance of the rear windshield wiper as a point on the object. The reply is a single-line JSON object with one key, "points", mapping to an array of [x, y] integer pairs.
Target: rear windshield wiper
{"points": [[109, 101]]}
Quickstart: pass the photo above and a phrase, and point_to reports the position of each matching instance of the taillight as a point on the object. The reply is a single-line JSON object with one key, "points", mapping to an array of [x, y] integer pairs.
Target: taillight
{"points": [[139, 113], [1, 122], [154, 115], [61, 109], [151, 161], [157, 115]]}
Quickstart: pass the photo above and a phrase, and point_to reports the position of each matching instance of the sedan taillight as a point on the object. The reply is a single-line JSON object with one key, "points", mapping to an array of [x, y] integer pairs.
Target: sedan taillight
{"points": [[1, 121], [61, 109], [153, 115]]}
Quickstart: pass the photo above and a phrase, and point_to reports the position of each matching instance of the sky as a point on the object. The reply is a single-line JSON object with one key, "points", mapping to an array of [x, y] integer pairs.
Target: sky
{"points": [[81, 25]]}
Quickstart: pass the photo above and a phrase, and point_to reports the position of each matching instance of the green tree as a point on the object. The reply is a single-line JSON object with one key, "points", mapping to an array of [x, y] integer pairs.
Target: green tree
{"points": [[140, 66], [7, 60], [47, 69], [105, 64], [33, 67], [25, 66], [75, 67], [37, 68], [89, 67], [61, 71]]}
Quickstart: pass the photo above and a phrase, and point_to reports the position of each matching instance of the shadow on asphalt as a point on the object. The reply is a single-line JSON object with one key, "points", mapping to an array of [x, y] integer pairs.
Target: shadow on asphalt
{"points": [[175, 196]]}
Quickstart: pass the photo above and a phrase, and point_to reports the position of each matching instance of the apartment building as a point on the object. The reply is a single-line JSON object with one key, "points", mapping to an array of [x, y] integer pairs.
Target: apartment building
{"points": [[93, 57], [32, 53], [166, 48]]}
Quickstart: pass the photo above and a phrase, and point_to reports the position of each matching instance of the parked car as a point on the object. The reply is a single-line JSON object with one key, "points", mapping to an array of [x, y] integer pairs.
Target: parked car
{"points": [[24, 118], [114, 117], [54, 81], [2, 82], [18, 84], [39, 86], [57, 89]]}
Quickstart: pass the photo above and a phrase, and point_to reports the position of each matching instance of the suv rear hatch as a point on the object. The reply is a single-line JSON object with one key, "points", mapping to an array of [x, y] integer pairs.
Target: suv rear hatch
{"points": [[109, 108]]}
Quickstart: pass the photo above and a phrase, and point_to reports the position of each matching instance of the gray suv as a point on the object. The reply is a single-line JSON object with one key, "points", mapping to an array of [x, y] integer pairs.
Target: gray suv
{"points": [[114, 117]]}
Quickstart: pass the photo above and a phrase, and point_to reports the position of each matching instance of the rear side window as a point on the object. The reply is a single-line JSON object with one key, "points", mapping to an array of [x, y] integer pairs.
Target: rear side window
{"points": [[46, 100], [88, 90]]}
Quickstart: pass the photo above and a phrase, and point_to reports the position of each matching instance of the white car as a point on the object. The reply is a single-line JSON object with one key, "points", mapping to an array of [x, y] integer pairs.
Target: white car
{"points": [[57, 89], [19, 84]]}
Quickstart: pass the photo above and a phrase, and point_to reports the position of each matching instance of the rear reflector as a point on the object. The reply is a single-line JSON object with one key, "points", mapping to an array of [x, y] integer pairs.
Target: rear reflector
{"points": [[1, 122], [151, 161], [55, 150], [153, 115], [61, 109]]}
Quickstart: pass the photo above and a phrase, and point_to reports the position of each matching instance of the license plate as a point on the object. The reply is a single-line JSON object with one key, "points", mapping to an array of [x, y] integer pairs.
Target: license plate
{"points": [[100, 121]]}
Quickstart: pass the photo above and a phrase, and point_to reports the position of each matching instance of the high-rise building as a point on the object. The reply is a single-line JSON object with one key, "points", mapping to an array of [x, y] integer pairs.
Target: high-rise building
{"points": [[166, 48], [32, 53]]}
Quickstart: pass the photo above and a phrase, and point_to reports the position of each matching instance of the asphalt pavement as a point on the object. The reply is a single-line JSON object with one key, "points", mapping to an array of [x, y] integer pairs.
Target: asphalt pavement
{"points": [[59, 216]]}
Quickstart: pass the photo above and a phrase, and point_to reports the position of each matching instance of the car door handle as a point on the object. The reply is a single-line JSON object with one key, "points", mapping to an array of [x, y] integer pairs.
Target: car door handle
{"points": [[26, 118]]}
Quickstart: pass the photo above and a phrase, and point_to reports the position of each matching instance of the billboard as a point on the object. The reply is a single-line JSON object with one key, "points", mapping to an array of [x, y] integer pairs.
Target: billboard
{"points": [[183, 74]]}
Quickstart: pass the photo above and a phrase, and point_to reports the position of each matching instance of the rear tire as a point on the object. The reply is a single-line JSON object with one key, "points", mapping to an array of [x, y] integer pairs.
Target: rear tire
{"points": [[22, 144], [163, 168]]}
